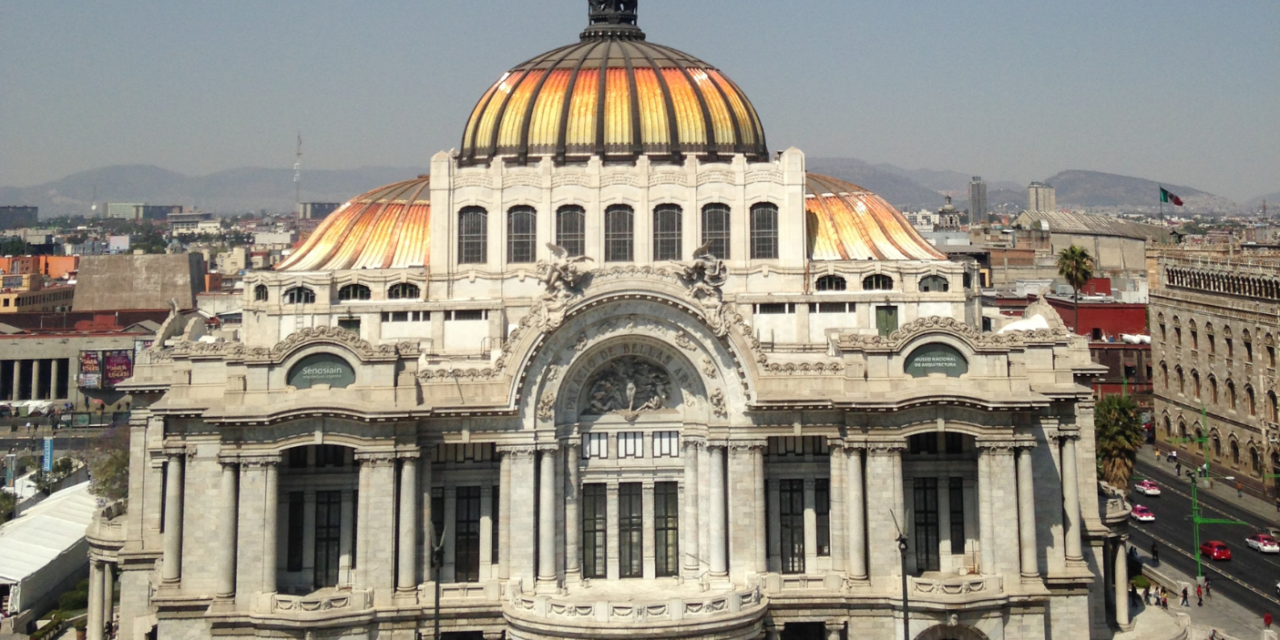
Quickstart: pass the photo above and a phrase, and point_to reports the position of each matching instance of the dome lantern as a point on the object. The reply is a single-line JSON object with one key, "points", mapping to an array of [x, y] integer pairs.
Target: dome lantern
{"points": [[613, 18]]}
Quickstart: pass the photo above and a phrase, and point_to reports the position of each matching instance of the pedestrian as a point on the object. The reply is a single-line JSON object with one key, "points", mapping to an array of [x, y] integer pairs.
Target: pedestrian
{"points": [[1266, 620], [1146, 595], [1199, 596], [1177, 469], [1164, 602], [1239, 489], [1208, 591], [1133, 595], [1278, 505], [1155, 553], [1184, 598]]}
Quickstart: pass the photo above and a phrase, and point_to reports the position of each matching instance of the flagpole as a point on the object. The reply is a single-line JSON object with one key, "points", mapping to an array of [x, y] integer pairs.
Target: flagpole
{"points": [[1161, 203]]}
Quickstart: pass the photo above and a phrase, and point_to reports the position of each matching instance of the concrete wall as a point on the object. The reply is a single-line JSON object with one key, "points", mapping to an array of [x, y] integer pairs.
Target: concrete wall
{"points": [[108, 283]]}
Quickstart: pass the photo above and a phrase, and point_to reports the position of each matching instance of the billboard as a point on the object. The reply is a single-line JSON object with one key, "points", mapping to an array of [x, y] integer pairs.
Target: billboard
{"points": [[90, 370], [117, 366]]}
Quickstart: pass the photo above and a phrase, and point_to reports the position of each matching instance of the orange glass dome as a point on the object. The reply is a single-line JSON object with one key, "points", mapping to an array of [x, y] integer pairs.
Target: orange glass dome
{"points": [[387, 228], [615, 96], [847, 222]]}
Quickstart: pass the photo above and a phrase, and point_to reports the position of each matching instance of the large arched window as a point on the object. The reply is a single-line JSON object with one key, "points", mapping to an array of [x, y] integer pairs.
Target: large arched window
{"points": [[571, 229], [354, 292], [522, 235], [1235, 453], [934, 284], [832, 283], [877, 282], [1231, 394], [1164, 375], [1273, 408], [715, 229], [1168, 428], [473, 235], [619, 233], [764, 231], [299, 295], [1213, 389], [1195, 382], [1251, 400], [1182, 381], [260, 293], [404, 291], [668, 232], [1217, 446]]}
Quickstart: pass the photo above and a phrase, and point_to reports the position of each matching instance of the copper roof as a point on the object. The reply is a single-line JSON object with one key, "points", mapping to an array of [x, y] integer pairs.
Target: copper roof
{"points": [[615, 96], [847, 222], [387, 228]]}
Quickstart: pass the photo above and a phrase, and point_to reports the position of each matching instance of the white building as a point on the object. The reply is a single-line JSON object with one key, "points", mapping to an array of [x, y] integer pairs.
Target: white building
{"points": [[630, 374]]}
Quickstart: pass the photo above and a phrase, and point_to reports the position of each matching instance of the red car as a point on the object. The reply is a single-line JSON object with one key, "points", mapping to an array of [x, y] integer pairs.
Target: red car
{"points": [[1215, 550]]}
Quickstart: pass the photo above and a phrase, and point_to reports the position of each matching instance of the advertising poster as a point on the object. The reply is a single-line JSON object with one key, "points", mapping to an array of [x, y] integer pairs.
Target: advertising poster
{"points": [[48, 455], [117, 366], [90, 370]]}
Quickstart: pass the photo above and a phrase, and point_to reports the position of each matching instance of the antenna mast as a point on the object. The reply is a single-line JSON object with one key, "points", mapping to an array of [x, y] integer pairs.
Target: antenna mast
{"points": [[297, 179]]}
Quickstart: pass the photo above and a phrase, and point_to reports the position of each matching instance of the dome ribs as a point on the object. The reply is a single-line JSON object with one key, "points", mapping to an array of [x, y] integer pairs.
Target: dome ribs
{"points": [[388, 227], [602, 98], [859, 225], [637, 137], [562, 139], [709, 129], [672, 125], [522, 153]]}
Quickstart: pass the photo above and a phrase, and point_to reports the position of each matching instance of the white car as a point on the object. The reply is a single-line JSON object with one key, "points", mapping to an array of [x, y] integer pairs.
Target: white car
{"points": [[1147, 487], [1263, 542]]}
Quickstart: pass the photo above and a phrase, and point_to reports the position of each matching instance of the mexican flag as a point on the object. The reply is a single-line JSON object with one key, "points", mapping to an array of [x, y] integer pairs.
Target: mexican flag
{"points": [[1165, 196]]}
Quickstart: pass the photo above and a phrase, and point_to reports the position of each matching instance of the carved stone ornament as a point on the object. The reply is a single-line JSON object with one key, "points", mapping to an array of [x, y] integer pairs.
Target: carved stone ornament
{"points": [[547, 406], [704, 279], [933, 324], [718, 404], [563, 281], [708, 367], [627, 386]]}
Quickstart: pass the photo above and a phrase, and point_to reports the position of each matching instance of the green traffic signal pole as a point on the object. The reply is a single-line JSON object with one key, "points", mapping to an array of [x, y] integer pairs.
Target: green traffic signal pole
{"points": [[1196, 518]]}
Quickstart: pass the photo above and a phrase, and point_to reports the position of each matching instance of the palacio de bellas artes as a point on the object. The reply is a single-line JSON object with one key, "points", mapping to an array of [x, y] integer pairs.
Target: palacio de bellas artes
{"points": [[613, 369]]}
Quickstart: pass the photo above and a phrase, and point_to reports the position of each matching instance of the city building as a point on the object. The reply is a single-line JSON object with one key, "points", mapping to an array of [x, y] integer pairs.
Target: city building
{"points": [[599, 381], [18, 217], [121, 210], [978, 213], [1041, 197], [1118, 339], [1213, 330], [189, 223], [142, 282], [27, 293], [317, 210]]}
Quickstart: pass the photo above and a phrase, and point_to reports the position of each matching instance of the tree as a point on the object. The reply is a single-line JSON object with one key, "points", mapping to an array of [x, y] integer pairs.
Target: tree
{"points": [[109, 464], [1075, 265], [1119, 436], [7, 503]]}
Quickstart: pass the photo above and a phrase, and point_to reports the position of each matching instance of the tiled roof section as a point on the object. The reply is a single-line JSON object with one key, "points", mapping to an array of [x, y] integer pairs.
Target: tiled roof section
{"points": [[613, 97], [387, 228], [847, 222], [1091, 224]]}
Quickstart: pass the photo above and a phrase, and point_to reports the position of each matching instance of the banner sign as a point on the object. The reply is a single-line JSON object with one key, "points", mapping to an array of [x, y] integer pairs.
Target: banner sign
{"points": [[90, 370], [322, 368], [936, 358], [48, 454], [117, 366]]}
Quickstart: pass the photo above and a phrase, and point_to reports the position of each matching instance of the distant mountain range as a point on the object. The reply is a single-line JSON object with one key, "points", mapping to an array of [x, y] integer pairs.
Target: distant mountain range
{"points": [[236, 191]]}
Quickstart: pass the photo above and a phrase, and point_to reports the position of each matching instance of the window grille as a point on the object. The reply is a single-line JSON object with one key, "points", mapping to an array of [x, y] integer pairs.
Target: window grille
{"points": [[619, 233], [259, 293], [666, 444], [354, 292], [877, 282], [571, 229], [764, 232], [668, 230], [715, 229], [832, 283], [934, 284], [299, 295], [404, 291], [595, 445], [473, 232], [631, 444], [522, 235]]}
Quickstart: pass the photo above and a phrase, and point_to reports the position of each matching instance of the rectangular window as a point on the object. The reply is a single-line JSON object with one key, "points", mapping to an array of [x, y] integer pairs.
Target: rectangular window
{"points": [[571, 225], [437, 514], [293, 555], [1271, 356], [468, 314], [886, 320], [595, 445], [831, 307], [822, 507], [791, 524], [954, 442], [668, 232], [522, 235], [798, 446], [355, 526], [666, 528], [957, 516], [350, 324], [495, 505], [459, 453], [595, 528], [328, 455], [715, 230], [298, 458], [764, 232], [619, 232], [473, 234], [666, 444], [630, 530], [466, 541], [774, 308], [926, 524], [328, 537], [631, 444]]}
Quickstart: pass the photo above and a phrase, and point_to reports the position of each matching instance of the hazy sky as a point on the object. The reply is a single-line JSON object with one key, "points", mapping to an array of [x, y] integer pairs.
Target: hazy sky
{"points": [[1183, 91]]}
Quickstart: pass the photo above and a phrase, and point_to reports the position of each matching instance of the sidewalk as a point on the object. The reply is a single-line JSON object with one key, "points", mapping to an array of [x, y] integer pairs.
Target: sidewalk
{"points": [[1224, 490], [1217, 613]]}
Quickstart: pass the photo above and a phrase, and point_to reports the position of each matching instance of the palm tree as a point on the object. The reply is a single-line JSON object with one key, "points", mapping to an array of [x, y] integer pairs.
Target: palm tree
{"points": [[1075, 265], [1119, 436]]}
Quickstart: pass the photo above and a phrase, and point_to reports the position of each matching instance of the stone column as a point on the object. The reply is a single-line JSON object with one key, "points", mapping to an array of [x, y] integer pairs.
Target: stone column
{"points": [[94, 626], [228, 507], [719, 554], [55, 372], [270, 526], [884, 494], [108, 593], [648, 556], [572, 518], [13, 393], [425, 483], [345, 552], [1026, 515], [986, 524], [761, 529], [1122, 583], [857, 510], [407, 561], [173, 485], [35, 380], [377, 538], [1071, 498], [833, 630], [836, 495], [810, 527], [519, 493], [504, 516], [692, 527], [547, 518]]}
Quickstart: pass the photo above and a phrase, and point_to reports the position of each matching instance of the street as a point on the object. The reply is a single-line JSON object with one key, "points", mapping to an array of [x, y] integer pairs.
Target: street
{"points": [[1249, 578]]}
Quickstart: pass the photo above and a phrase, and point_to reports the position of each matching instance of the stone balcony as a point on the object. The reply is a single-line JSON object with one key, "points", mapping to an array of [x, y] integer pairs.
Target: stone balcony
{"points": [[640, 612], [320, 605]]}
